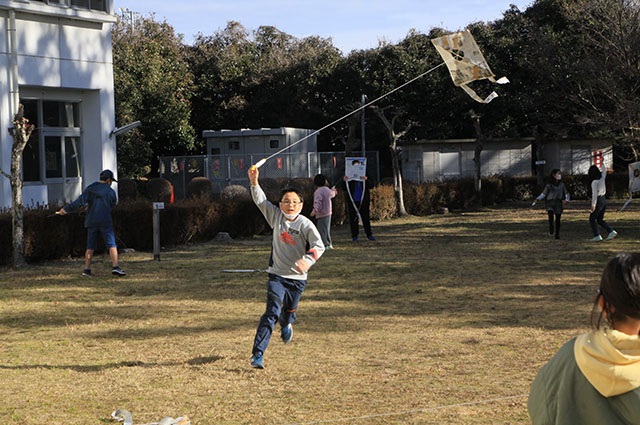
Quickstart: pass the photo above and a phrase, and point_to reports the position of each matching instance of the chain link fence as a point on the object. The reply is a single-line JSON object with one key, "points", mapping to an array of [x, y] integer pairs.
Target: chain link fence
{"points": [[227, 170]]}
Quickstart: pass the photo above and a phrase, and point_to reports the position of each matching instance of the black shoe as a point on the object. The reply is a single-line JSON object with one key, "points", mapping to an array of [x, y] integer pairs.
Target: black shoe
{"points": [[86, 272], [117, 271]]}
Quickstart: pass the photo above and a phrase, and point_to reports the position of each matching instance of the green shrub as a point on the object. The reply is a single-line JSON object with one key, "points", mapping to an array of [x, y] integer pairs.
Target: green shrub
{"points": [[383, 203], [127, 190], [200, 187], [234, 192], [159, 190]]}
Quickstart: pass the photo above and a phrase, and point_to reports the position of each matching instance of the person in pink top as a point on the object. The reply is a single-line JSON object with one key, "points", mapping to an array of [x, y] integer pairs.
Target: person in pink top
{"points": [[322, 208]]}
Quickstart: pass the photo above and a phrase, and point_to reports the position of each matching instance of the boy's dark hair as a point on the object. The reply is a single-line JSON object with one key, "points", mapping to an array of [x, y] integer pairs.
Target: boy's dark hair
{"points": [[291, 189], [620, 290], [594, 173], [320, 180]]}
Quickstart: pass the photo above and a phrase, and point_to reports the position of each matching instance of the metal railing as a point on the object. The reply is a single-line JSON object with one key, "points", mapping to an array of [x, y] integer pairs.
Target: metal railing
{"points": [[227, 170]]}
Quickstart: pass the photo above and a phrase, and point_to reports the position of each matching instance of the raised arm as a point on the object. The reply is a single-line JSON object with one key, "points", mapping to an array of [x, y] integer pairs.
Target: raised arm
{"points": [[269, 210]]}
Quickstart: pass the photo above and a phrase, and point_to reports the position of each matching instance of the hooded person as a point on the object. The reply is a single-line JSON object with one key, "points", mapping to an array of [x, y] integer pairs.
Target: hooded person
{"points": [[594, 379]]}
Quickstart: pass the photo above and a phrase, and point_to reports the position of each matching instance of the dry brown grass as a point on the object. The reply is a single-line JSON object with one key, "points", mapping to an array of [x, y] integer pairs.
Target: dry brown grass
{"points": [[441, 311]]}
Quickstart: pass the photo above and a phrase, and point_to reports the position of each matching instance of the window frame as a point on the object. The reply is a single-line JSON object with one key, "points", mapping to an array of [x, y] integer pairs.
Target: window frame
{"points": [[63, 133], [67, 4]]}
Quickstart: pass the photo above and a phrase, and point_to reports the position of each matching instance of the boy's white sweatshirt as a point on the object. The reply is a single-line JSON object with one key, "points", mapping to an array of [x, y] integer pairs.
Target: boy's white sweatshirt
{"points": [[292, 240]]}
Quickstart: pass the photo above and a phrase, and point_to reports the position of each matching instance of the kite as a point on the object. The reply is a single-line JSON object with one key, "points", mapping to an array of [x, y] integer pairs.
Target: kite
{"points": [[462, 56], [634, 181], [466, 63]]}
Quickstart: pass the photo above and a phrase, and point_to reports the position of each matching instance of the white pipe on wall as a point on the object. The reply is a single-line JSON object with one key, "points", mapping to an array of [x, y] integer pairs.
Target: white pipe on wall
{"points": [[14, 97]]}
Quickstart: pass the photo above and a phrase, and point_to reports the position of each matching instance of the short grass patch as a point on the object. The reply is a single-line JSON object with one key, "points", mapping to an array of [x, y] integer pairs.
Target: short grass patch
{"points": [[441, 312]]}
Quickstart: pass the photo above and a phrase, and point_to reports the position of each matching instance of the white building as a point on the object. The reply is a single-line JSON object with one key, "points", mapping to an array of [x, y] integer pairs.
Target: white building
{"points": [[262, 141], [429, 160], [56, 59]]}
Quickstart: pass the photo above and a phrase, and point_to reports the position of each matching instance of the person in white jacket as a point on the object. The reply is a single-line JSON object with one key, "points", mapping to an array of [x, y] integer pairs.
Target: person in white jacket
{"points": [[599, 203], [296, 246]]}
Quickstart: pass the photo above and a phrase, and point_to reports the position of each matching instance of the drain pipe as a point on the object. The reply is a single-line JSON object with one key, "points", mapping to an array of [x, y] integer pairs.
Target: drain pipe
{"points": [[14, 97]]}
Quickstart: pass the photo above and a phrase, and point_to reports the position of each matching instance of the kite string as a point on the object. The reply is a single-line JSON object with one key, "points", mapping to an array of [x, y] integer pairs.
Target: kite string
{"points": [[404, 412], [358, 109]]}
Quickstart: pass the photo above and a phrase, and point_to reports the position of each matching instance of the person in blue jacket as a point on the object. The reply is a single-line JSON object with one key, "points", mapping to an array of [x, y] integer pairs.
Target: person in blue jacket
{"points": [[100, 200]]}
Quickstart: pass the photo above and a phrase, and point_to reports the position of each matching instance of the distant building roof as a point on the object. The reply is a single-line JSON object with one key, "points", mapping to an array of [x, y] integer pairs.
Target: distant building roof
{"points": [[249, 132]]}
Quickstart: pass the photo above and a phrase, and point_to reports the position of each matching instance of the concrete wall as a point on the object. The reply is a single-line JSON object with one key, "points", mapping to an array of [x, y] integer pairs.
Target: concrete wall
{"points": [[575, 156], [62, 54], [453, 159], [438, 160]]}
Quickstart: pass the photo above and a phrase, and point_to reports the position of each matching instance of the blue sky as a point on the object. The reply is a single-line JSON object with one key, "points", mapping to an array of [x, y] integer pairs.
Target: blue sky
{"points": [[351, 24]]}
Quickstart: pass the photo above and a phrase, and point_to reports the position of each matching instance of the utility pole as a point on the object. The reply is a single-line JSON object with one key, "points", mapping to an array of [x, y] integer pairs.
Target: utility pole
{"points": [[364, 100], [129, 16]]}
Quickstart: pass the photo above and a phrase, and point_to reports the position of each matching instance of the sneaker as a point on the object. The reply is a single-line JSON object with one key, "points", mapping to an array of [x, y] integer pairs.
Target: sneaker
{"points": [[355, 239], [371, 238], [86, 272], [551, 233], [596, 238], [256, 361], [117, 271], [612, 235], [286, 333]]}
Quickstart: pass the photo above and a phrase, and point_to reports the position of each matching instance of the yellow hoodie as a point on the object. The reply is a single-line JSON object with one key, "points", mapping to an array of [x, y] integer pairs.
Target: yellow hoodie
{"points": [[610, 360], [564, 393]]}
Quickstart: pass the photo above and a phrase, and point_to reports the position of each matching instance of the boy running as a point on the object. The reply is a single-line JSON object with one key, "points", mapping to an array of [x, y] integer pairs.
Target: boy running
{"points": [[296, 246]]}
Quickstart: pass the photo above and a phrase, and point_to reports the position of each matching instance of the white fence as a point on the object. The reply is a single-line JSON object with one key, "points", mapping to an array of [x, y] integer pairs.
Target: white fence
{"points": [[226, 170]]}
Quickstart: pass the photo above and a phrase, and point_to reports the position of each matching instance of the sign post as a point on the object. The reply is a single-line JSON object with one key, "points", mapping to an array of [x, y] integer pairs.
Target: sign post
{"points": [[157, 206]]}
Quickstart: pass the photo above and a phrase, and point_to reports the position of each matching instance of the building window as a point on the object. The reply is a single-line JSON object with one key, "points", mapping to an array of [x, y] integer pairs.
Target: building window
{"points": [[274, 144], [234, 146], [53, 150], [79, 4], [215, 151]]}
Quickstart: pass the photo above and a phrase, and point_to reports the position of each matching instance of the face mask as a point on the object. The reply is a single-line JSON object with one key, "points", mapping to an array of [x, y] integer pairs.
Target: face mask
{"points": [[290, 216]]}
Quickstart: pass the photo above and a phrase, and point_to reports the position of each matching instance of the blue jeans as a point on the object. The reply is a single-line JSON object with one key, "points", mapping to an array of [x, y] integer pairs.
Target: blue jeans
{"points": [[283, 296], [107, 235], [597, 217]]}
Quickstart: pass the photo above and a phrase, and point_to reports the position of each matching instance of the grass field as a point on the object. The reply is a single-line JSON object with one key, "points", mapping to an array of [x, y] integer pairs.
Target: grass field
{"points": [[438, 314]]}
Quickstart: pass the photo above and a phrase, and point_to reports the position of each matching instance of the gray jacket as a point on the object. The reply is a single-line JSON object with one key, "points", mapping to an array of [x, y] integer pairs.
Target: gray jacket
{"points": [[292, 240]]}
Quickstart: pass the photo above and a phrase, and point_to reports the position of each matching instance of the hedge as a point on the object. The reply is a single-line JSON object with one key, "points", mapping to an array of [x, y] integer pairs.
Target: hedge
{"points": [[197, 219]]}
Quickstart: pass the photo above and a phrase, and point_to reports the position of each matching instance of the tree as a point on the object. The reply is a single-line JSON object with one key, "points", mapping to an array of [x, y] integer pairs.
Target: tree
{"points": [[393, 149], [153, 84], [20, 132], [263, 78], [477, 158], [609, 66]]}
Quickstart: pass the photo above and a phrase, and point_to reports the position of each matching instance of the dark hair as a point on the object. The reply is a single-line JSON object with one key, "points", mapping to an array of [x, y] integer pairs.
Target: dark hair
{"points": [[320, 180], [554, 181], [620, 290], [291, 189], [594, 173]]}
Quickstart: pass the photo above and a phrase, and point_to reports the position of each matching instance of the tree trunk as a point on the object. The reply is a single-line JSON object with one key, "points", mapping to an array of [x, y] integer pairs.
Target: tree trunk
{"points": [[395, 160], [17, 210], [21, 131], [397, 182], [539, 167], [478, 173], [477, 156]]}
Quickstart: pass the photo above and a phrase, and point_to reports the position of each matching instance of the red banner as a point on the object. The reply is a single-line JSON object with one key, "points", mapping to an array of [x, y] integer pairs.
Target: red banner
{"points": [[597, 158]]}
